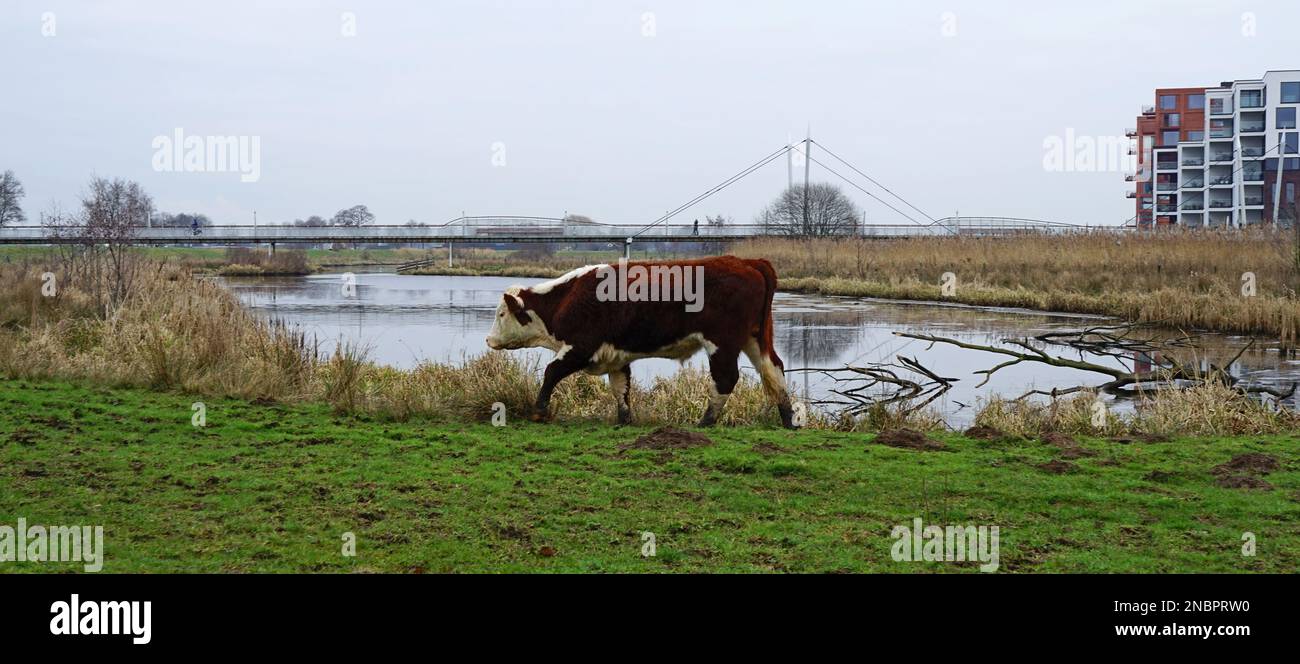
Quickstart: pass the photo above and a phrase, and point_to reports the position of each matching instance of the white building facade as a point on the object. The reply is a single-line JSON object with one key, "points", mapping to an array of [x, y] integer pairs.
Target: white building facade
{"points": [[1243, 167]]}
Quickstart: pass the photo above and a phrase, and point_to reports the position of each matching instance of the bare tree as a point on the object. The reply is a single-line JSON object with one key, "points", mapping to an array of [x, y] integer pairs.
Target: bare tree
{"points": [[713, 225], [357, 215], [11, 196], [828, 212], [102, 234]]}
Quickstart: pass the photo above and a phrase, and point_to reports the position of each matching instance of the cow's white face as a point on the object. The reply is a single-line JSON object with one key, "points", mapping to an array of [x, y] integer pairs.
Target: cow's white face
{"points": [[509, 329]]}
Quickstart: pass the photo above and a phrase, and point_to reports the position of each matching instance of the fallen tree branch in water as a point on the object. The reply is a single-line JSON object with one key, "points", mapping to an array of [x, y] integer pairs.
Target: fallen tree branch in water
{"points": [[1168, 371], [881, 384]]}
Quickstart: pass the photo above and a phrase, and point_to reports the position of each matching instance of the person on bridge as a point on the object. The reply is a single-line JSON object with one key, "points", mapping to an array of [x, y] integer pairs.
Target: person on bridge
{"points": [[194, 226], [696, 230]]}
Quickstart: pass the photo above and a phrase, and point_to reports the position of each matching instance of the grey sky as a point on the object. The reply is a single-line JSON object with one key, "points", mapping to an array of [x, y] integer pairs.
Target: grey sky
{"points": [[595, 117]]}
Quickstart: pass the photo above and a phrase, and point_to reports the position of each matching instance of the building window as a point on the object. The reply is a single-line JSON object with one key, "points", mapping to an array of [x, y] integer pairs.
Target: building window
{"points": [[1220, 105], [1195, 102], [1221, 128], [1195, 135], [1286, 118], [1290, 165], [1291, 92], [1252, 98], [1168, 138], [1290, 143], [1168, 102], [1173, 120]]}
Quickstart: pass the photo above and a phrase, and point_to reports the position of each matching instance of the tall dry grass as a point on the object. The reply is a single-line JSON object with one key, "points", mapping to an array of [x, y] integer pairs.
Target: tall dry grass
{"points": [[244, 261], [1209, 409], [1191, 280]]}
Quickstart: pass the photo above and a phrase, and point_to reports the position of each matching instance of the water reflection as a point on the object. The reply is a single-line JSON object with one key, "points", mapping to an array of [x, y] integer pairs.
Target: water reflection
{"points": [[407, 319]]}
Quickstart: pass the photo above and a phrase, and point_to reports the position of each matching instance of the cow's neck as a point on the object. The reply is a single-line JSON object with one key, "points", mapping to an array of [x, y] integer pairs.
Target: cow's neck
{"points": [[544, 305]]}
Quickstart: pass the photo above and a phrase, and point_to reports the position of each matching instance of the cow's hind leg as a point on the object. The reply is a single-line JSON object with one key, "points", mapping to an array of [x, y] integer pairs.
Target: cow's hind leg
{"points": [[725, 372], [772, 372], [620, 383]]}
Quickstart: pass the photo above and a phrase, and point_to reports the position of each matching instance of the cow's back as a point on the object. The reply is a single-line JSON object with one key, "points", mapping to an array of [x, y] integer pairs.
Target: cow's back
{"points": [[734, 302]]}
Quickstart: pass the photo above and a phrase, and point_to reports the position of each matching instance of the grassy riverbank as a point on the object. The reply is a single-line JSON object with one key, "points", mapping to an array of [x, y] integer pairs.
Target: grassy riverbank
{"points": [[221, 260], [272, 488]]}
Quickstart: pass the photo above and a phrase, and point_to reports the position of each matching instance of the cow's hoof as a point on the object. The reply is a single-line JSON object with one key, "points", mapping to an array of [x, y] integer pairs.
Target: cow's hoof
{"points": [[707, 421], [624, 417], [793, 416], [540, 417]]}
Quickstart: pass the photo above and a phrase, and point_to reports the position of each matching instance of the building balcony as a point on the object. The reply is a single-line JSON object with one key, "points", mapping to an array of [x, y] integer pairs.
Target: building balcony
{"points": [[1194, 161], [1194, 184], [1223, 181], [1167, 186], [1131, 132], [1222, 157], [1252, 175], [1193, 207], [1130, 194], [1220, 133], [1254, 201], [1166, 165], [1148, 109], [1252, 127], [1220, 204], [1166, 208], [1252, 152]]}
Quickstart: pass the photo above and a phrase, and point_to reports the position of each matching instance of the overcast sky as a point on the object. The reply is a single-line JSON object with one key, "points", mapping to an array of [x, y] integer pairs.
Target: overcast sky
{"points": [[616, 110]]}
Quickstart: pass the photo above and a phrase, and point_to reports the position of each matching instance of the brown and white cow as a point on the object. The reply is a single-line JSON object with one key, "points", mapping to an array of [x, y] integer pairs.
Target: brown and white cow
{"points": [[728, 311]]}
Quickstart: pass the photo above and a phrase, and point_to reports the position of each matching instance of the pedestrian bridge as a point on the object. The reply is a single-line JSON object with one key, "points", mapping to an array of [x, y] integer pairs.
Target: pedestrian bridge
{"points": [[503, 230]]}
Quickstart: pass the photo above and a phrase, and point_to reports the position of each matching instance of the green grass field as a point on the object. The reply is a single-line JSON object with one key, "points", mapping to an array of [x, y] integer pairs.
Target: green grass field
{"points": [[267, 488]]}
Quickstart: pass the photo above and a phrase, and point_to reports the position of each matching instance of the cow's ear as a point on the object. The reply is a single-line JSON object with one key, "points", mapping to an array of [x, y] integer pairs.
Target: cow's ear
{"points": [[516, 307]]}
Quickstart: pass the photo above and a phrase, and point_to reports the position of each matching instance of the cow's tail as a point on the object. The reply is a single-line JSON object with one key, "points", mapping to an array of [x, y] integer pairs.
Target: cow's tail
{"points": [[764, 336], [770, 368]]}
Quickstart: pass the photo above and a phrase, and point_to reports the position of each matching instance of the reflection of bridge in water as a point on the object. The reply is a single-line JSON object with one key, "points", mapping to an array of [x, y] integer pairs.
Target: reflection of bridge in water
{"points": [[502, 230]]}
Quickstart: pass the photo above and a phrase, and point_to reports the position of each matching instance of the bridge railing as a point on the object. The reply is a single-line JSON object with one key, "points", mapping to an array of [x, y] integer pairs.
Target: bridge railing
{"points": [[540, 229]]}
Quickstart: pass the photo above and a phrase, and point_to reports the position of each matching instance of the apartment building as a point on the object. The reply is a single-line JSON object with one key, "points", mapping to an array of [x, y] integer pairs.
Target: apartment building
{"points": [[1224, 156]]}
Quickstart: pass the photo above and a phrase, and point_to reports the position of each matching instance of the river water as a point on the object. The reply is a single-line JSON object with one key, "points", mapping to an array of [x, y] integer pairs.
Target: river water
{"points": [[405, 319]]}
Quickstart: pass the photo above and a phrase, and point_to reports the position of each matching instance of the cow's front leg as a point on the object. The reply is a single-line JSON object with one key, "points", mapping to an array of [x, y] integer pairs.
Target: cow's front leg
{"points": [[620, 383], [560, 368]]}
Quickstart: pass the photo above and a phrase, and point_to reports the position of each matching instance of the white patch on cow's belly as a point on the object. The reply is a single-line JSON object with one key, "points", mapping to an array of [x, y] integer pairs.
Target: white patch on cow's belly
{"points": [[608, 358]]}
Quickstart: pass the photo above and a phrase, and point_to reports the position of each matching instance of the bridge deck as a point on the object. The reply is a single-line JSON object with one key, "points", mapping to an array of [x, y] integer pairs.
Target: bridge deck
{"points": [[527, 230]]}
